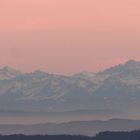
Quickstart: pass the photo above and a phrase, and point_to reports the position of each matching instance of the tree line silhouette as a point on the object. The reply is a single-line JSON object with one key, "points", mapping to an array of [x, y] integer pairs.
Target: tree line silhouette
{"points": [[134, 135]]}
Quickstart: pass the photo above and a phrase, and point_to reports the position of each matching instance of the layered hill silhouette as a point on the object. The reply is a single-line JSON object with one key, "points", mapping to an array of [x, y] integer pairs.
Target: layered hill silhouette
{"points": [[134, 135], [87, 128]]}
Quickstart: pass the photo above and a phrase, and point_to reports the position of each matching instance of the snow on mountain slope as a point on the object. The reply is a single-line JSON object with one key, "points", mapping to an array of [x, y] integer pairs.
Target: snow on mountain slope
{"points": [[115, 87]]}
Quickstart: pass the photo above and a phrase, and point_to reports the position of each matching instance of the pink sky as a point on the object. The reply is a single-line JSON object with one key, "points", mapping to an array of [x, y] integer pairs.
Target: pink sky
{"points": [[68, 36]]}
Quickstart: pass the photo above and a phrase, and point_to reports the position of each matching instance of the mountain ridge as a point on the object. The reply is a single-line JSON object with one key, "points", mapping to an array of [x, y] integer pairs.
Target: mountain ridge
{"points": [[114, 88]]}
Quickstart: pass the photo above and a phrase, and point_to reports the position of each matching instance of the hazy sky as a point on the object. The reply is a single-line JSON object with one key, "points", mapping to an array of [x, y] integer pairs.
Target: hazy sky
{"points": [[68, 36]]}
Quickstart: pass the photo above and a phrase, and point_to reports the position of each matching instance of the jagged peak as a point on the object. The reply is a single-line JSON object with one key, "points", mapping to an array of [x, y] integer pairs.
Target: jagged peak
{"points": [[7, 72], [8, 69], [132, 62]]}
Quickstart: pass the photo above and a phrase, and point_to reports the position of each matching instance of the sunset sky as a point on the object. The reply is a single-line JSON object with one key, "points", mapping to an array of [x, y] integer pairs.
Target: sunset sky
{"points": [[68, 36]]}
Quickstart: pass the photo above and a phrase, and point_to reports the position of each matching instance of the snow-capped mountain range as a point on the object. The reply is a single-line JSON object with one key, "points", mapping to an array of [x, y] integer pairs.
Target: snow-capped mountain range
{"points": [[116, 88]]}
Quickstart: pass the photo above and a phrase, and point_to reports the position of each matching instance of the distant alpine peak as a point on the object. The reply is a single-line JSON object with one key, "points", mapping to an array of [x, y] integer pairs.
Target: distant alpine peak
{"points": [[10, 70], [85, 73], [133, 65], [7, 72], [132, 62], [7, 69]]}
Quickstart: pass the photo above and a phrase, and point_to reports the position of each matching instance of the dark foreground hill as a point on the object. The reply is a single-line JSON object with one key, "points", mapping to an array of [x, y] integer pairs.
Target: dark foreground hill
{"points": [[135, 135]]}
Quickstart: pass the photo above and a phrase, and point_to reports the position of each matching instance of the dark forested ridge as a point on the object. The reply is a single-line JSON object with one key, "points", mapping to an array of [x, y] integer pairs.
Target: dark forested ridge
{"points": [[135, 135]]}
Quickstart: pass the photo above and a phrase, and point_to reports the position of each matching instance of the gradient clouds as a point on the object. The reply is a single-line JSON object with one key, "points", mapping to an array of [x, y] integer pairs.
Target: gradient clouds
{"points": [[64, 36]]}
